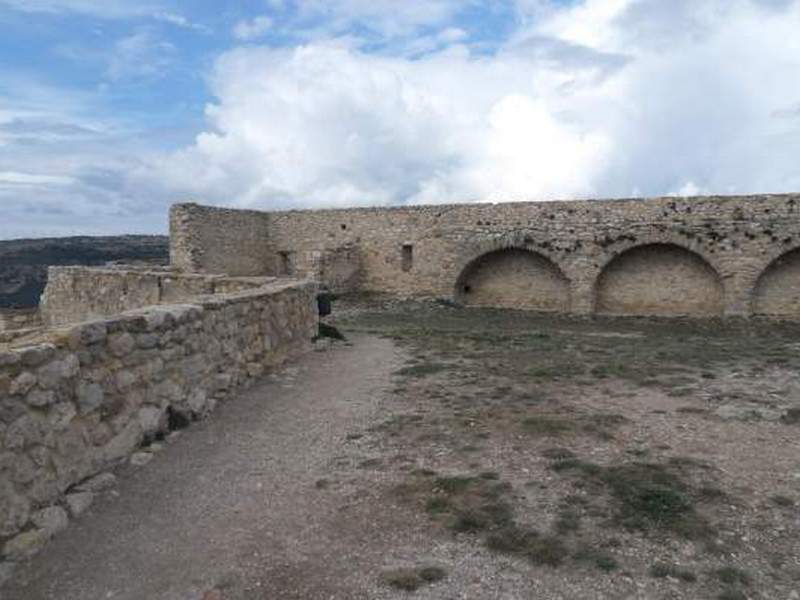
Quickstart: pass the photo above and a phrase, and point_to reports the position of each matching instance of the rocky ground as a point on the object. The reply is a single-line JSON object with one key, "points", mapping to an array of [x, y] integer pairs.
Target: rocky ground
{"points": [[451, 453], [596, 458]]}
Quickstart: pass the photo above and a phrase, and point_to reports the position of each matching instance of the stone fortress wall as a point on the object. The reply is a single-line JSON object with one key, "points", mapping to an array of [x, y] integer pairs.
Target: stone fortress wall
{"points": [[705, 256], [81, 396]]}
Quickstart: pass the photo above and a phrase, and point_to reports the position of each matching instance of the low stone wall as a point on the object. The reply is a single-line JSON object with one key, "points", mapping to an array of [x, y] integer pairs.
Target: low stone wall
{"points": [[23, 318], [75, 294], [85, 399]]}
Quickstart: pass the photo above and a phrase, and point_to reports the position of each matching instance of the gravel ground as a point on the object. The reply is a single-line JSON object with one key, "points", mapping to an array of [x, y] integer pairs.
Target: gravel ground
{"points": [[444, 454], [233, 503]]}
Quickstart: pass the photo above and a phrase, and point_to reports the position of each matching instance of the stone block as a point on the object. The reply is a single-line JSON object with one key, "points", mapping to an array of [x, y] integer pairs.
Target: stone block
{"points": [[54, 372], [40, 398], [27, 430], [60, 415], [98, 483], [90, 397], [22, 384], [23, 470], [51, 520], [151, 419], [8, 359], [139, 459], [6, 571], [147, 341], [92, 333], [121, 344], [25, 545], [122, 444], [124, 379], [78, 502], [14, 509], [33, 356]]}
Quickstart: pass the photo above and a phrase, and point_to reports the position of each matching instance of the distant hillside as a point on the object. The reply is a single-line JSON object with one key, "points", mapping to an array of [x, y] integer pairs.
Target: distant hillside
{"points": [[23, 263]]}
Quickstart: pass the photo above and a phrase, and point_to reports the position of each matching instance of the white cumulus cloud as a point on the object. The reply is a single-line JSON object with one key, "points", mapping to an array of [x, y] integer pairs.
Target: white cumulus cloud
{"points": [[603, 98]]}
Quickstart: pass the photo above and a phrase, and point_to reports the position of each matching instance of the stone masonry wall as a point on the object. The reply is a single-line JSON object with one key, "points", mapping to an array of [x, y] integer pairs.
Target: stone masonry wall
{"points": [[86, 397], [20, 318], [212, 240], [75, 294], [427, 250]]}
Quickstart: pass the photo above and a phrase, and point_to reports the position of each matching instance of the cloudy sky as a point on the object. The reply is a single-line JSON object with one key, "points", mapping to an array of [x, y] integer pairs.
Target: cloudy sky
{"points": [[111, 110]]}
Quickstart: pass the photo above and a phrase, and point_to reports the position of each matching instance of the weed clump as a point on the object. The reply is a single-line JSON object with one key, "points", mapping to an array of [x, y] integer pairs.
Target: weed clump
{"points": [[421, 370], [569, 520], [782, 501], [410, 580], [732, 594], [574, 464], [597, 558], [479, 505], [733, 575], [558, 454], [548, 425], [651, 497], [663, 570], [539, 549], [792, 417], [557, 371], [326, 331], [469, 504], [454, 485], [599, 424]]}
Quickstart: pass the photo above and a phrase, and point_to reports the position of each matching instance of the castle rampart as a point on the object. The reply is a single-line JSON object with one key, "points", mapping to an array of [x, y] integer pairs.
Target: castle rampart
{"points": [[704, 256]]}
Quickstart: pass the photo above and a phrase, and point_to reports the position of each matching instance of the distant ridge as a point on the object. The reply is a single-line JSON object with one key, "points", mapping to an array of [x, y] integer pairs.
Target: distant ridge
{"points": [[24, 262]]}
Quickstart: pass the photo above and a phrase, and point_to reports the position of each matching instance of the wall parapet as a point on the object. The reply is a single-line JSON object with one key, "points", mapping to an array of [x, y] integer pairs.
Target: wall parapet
{"points": [[85, 397], [75, 294]]}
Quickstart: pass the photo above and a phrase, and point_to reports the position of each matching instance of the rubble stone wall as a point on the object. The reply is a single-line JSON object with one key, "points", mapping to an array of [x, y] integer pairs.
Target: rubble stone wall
{"points": [[85, 398], [214, 240], [21, 318], [75, 294], [718, 255]]}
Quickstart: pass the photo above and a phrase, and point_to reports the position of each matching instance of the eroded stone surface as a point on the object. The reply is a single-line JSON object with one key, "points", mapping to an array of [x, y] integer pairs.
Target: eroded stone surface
{"points": [[25, 545], [78, 502], [52, 519], [139, 459], [98, 483]]}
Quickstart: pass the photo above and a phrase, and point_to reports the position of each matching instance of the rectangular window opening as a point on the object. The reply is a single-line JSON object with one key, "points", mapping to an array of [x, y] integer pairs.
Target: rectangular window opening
{"points": [[286, 263], [408, 257]]}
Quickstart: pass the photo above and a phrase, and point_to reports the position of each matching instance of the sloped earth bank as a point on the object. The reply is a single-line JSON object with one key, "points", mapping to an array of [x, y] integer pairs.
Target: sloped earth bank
{"points": [[448, 453]]}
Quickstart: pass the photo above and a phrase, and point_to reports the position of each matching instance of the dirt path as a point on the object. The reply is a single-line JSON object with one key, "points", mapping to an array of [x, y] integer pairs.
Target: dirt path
{"points": [[236, 503]]}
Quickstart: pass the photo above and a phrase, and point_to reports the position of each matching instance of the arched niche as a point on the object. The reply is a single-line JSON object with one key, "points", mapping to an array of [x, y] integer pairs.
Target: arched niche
{"points": [[514, 278], [659, 280], [777, 292]]}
